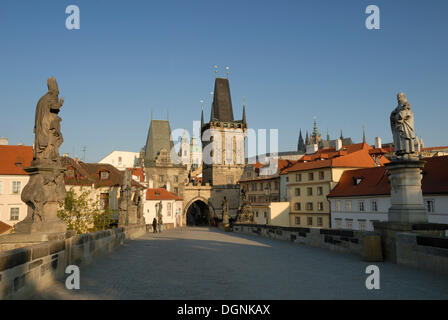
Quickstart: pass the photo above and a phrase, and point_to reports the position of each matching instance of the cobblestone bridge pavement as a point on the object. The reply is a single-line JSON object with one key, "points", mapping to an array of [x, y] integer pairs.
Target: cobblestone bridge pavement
{"points": [[203, 263]]}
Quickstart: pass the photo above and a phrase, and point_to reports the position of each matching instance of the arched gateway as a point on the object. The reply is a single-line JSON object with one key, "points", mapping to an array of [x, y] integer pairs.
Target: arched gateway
{"points": [[197, 209], [198, 212]]}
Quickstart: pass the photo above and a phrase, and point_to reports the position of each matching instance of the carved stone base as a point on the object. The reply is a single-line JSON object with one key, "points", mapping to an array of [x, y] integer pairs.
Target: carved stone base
{"points": [[406, 191]]}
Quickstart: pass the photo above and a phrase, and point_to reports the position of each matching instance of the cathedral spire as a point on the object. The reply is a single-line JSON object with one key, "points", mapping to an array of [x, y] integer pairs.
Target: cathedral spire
{"points": [[307, 139], [301, 147], [341, 137], [202, 113]]}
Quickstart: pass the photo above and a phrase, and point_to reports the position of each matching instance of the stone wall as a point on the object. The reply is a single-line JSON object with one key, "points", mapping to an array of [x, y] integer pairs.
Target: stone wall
{"points": [[347, 241], [423, 251], [25, 270]]}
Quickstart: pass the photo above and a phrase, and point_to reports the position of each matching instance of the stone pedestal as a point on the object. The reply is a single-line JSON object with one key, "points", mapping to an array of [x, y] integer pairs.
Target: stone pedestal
{"points": [[42, 194], [406, 192]]}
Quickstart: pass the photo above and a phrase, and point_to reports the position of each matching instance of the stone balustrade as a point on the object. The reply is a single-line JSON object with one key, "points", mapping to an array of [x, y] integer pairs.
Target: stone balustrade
{"points": [[27, 269]]}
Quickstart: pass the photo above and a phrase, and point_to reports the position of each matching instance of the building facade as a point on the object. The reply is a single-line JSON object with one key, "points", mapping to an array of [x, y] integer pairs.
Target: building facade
{"points": [[363, 196], [13, 159], [169, 204], [307, 183], [121, 159]]}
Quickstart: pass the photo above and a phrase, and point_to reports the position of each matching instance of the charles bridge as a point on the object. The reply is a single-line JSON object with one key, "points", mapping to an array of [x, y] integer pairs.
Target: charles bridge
{"points": [[208, 263]]}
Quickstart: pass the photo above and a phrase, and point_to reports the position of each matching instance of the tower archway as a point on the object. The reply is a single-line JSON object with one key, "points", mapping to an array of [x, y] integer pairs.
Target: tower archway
{"points": [[198, 212]]}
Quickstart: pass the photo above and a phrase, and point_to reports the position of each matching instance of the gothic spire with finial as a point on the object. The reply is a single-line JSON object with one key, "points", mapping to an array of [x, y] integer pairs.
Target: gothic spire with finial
{"points": [[341, 137], [307, 139], [202, 113]]}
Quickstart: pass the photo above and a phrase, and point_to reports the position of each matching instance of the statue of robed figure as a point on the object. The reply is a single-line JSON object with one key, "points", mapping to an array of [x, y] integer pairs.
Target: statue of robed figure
{"points": [[402, 126], [46, 187]]}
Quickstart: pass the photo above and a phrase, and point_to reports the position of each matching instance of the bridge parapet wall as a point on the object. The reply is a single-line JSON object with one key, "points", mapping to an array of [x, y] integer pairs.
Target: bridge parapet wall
{"points": [[348, 241], [27, 269]]}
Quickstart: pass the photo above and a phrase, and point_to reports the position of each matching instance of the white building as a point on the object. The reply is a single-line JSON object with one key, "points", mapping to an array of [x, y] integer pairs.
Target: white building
{"points": [[12, 180], [121, 159], [363, 196], [172, 207]]}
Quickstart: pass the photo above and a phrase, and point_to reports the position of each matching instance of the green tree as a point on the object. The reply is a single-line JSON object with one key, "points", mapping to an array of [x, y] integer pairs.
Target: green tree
{"points": [[82, 214]]}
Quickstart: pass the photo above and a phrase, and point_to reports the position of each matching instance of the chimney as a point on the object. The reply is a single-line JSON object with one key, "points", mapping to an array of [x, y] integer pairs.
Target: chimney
{"points": [[338, 144], [3, 141], [311, 148], [378, 143]]}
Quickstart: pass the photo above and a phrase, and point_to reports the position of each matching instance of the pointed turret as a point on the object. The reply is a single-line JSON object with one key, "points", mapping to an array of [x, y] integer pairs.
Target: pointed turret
{"points": [[222, 102], [363, 135], [244, 114], [301, 147], [341, 137], [307, 139], [202, 117]]}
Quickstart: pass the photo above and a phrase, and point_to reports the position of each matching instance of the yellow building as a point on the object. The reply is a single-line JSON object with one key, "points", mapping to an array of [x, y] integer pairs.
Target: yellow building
{"points": [[310, 180]]}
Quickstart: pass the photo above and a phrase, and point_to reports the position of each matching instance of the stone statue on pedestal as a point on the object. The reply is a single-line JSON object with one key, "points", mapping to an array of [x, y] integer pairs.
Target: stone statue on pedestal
{"points": [[402, 126], [245, 214], [46, 187]]}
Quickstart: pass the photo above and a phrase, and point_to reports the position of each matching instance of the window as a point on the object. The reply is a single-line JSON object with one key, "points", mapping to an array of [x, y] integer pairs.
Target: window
{"points": [[320, 206], [297, 220], [276, 186], [298, 177], [374, 206], [321, 175], [320, 191], [265, 214], [104, 175], [176, 190], [104, 201], [309, 191], [311, 176], [310, 221], [297, 206], [120, 160], [229, 180], [361, 206], [338, 205], [256, 214], [338, 223], [16, 187], [349, 223], [169, 209], [260, 186], [362, 225], [429, 205], [160, 178], [176, 179], [249, 175], [309, 206], [297, 191], [70, 173], [14, 214], [348, 205], [287, 179], [320, 222]]}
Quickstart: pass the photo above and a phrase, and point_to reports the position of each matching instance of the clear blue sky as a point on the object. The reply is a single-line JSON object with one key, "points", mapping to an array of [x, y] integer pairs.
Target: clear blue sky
{"points": [[292, 60]]}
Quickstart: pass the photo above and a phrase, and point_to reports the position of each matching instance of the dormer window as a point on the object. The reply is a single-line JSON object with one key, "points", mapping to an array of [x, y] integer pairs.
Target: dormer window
{"points": [[356, 181], [104, 175], [70, 173]]}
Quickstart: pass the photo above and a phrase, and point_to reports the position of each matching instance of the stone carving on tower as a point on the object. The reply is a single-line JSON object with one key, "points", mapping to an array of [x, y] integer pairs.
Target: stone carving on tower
{"points": [[46, 186]]}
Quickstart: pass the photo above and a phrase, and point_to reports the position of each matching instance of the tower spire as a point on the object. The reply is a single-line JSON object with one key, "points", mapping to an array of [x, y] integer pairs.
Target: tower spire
{"points": [[202, 113], [363, 134], [244, 110], [341, 137]]}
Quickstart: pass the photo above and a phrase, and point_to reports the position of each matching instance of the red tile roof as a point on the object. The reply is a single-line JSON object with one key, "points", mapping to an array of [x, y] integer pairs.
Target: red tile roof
{"points": [[87, 174], [139, 173], [4, 227], [351, 156], [161, 194], [14, 158], [375, 181]]}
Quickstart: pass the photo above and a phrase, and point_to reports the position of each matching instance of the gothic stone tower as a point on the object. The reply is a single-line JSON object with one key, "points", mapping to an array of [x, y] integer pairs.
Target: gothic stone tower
{"points": [[223, 145]]}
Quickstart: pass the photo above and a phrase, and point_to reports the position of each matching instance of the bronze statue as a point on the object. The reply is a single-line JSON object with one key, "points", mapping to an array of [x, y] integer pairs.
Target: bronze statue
{"points": [[402, 126]]}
